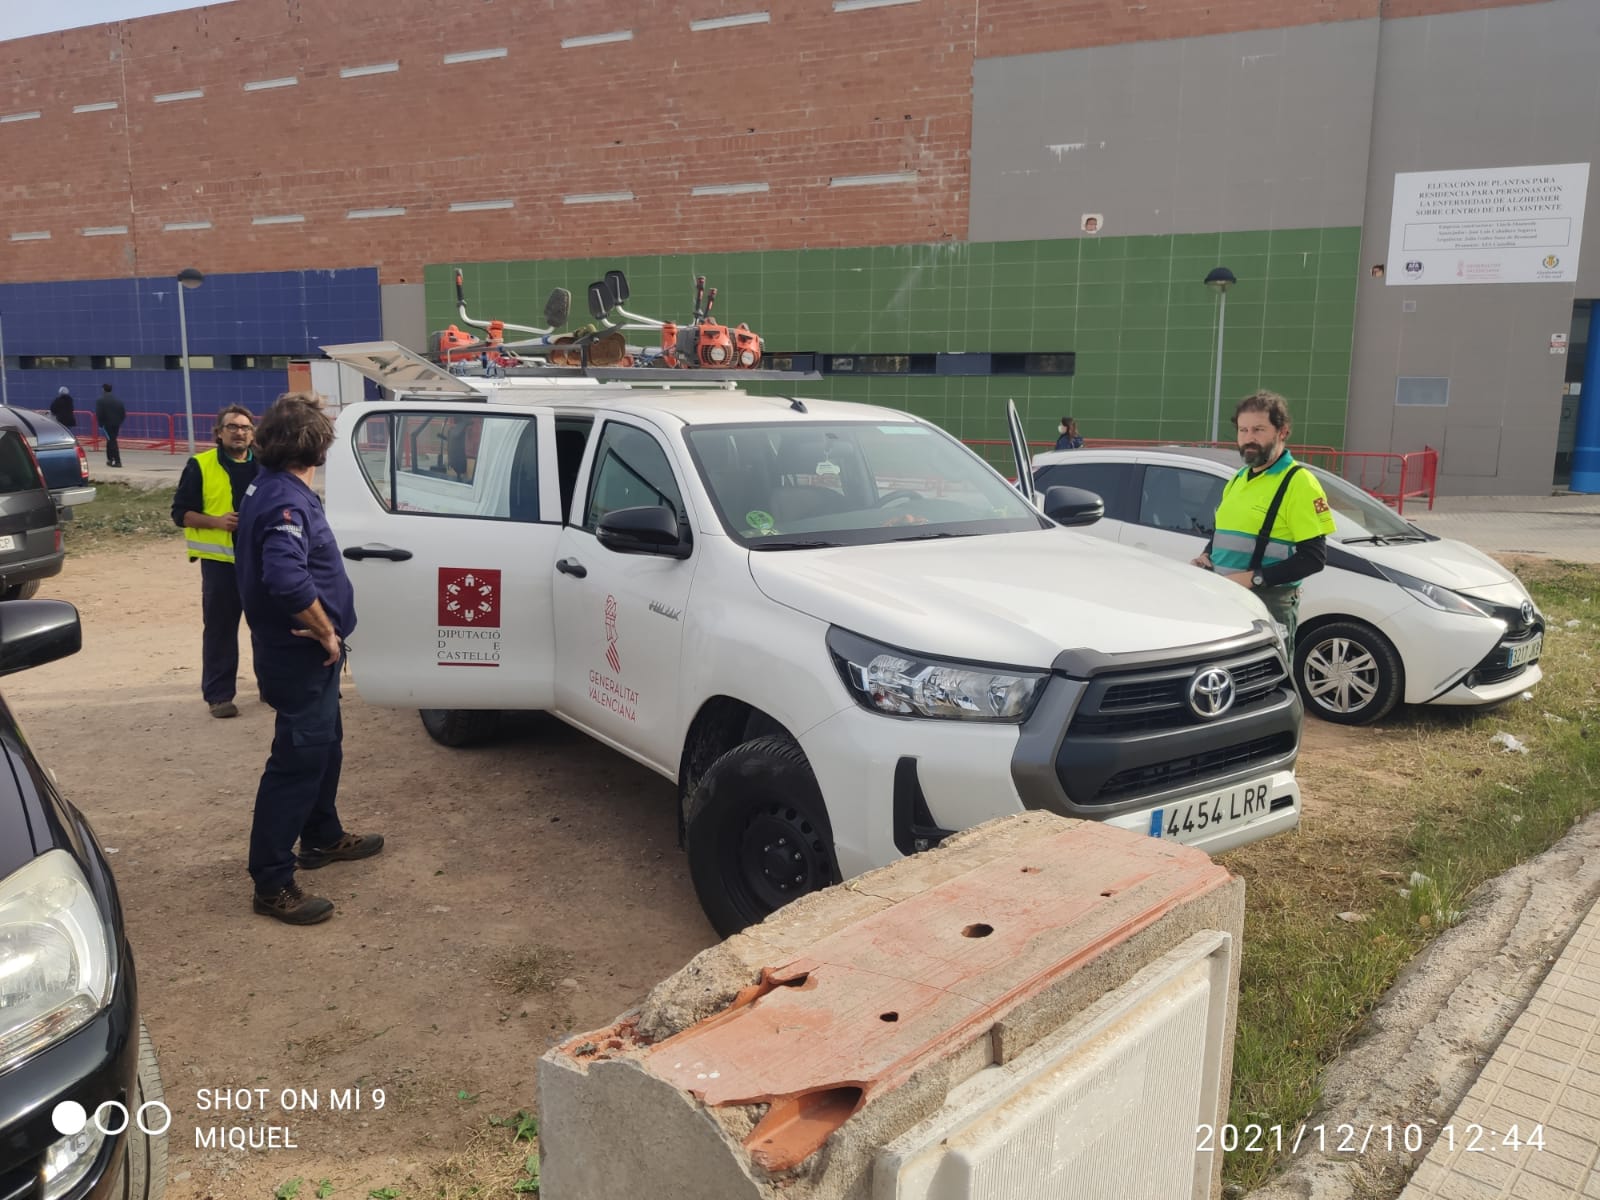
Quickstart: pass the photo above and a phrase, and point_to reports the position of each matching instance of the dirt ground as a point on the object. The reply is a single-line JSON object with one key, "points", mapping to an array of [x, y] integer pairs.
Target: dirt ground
{"points": [[545, 859], [544, 863]]}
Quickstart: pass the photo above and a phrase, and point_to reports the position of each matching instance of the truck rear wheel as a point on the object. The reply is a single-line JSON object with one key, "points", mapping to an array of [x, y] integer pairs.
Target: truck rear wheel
{"points": [[460, 726], [758, 833], [145, 1154]]}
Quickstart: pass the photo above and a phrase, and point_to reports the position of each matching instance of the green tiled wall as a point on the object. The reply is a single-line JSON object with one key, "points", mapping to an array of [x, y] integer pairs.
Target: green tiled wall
{"points": [[1134, 309]]}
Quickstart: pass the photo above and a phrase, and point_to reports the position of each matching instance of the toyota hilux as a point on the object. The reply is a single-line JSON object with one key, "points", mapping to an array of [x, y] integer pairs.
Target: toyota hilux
{"points": [[834, 627]]}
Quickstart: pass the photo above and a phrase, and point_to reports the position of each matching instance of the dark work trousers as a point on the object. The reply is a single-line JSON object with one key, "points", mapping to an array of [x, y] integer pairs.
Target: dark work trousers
{"points": [[1284, 605], [220, 610], [299, 787], [113, 451]]}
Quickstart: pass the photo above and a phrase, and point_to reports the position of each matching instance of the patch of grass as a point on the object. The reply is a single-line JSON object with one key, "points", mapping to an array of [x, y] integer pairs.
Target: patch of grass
{"points": [[120, 515], [1432, 795], [531, 969], [492, 1165]]}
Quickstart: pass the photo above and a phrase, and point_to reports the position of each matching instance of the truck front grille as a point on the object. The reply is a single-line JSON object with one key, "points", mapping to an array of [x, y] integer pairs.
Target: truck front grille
{"points": [[1157, 777], [1141, 705]]}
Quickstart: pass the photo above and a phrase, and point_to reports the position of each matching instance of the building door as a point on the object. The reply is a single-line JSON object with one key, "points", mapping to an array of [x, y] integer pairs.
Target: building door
{"points": [[1571, 389]]}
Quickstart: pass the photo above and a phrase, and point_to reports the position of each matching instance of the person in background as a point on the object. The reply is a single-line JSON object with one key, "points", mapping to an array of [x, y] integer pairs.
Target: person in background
{"points": [[111, 413], [1067, 435], [1273, 520], [62, 408], [206, 508], [300, 608]]}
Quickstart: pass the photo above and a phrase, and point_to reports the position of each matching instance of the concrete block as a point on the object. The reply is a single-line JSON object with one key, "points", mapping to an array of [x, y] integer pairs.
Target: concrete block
{"points": [[781, 1062]]}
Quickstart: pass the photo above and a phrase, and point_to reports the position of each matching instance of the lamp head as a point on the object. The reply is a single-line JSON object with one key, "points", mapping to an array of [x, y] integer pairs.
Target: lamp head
{"points": [[191, 277], [1221, 278]]}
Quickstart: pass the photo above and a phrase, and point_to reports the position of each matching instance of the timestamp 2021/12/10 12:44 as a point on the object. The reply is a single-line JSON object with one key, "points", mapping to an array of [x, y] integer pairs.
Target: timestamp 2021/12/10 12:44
{"points": [[1353, 1138]]}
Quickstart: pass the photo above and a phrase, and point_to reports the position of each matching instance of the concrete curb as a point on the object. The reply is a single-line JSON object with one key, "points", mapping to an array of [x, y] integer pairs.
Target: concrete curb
{"points": [[1425, 1043]]}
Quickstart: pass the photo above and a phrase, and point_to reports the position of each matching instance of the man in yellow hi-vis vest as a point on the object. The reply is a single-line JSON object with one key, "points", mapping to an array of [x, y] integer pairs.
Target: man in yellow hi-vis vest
{"points": [[206, 508], [1273, 520]]}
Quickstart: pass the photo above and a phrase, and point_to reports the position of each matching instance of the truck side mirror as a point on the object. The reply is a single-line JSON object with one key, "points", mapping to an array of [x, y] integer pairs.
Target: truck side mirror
{"points": [[1073, 506], [35, 632], [648, 529]]}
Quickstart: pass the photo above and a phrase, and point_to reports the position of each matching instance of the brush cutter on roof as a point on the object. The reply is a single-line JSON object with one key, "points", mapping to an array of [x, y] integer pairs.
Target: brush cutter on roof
{"points": [[457, 345], [704, 343]]}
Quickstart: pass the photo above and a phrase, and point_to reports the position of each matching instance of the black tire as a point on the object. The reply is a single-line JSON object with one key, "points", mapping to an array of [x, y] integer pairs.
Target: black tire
{"points": [[460, 726], [758, 834], [1347, 672], [21, 591], [145, 1155]]}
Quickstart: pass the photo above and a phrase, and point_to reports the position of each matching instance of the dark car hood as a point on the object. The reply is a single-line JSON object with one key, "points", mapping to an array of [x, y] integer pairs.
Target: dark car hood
{"points": [[44, 432]]}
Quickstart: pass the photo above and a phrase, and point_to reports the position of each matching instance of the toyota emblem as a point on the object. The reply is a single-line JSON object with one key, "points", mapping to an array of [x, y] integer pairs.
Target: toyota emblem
{"points": [[1211, 693], [1527, 612]]}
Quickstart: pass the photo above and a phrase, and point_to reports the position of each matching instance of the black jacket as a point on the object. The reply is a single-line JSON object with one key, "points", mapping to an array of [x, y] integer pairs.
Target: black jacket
{"points": [[61, 408], [109, 411]]}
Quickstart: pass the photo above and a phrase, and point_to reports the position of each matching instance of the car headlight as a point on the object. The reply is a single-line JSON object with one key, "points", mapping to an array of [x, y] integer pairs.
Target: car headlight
{"points": [[1434, 596], [55, 955], [900, 683]]}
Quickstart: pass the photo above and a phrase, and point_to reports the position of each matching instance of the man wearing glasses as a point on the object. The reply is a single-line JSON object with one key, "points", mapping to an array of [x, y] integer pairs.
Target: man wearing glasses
{"points": [[206, 508]]}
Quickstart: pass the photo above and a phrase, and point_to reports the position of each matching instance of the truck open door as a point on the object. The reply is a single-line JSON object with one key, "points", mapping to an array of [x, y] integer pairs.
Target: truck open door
{"points": [[448, 515]]}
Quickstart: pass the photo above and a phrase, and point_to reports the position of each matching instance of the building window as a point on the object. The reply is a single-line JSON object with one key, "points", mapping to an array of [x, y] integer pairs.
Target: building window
{"points": [[1040, 363], [111, 362], [260, 362], [49, 362], [1422, 390], [197, 362]]}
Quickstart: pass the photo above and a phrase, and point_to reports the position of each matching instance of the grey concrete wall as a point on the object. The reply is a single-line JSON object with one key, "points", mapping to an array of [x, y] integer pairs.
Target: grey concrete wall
{"points": [[1260, 130], [405, 318], [1501, 87]]}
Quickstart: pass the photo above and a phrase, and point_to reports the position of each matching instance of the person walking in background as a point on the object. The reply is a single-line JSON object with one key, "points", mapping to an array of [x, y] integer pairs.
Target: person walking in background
{"points": [[206, 508], [1067, 435], [1273, 520], [109, 411], [62, 408], [300, 607]]}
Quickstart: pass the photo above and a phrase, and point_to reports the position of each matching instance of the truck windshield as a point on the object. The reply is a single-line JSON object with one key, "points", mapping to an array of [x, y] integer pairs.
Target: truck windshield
{"points": [[799, 485]]}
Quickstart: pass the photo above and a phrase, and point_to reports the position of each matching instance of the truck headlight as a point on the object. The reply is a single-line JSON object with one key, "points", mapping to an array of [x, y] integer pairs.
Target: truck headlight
{"points": [[55, 955], [1434, 596], [901, 683]]}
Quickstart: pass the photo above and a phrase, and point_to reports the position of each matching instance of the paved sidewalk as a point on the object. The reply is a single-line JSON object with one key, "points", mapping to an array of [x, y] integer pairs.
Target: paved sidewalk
{"points": [[1543, 1086], [1559, 527]]}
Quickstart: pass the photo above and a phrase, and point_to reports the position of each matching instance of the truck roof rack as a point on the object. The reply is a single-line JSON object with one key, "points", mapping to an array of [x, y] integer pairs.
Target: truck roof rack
{"points": [[396, 367]]}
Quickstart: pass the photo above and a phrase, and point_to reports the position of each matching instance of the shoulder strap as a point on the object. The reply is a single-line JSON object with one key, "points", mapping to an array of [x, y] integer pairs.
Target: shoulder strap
{"points": [[1259, 554]]}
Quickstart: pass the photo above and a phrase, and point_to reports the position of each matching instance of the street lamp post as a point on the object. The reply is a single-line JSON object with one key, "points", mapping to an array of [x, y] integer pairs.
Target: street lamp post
{"points": [[1221, 279], [5, 391], [188, 278]]}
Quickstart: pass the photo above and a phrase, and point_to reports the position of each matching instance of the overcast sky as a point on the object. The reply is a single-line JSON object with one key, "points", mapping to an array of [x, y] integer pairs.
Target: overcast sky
{"points": [[22, 18]]}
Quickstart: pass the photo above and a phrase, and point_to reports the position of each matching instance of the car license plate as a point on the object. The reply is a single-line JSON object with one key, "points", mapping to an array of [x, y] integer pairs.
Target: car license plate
{"points": [[1519, 656], [1194, 819], [7, 542]]}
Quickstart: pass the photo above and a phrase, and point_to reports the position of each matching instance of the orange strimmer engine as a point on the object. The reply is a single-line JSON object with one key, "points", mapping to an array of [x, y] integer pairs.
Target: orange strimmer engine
{"points": [[713, 346], [746, 348]]}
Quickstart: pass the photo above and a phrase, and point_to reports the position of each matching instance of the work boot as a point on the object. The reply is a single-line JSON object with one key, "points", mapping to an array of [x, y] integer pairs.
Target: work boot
{"points": [[225, 708], [351, 846], [292, 906]]}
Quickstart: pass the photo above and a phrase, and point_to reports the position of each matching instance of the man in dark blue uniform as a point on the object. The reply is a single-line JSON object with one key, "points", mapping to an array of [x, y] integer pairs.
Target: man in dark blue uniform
{"points": [[300, 608]]}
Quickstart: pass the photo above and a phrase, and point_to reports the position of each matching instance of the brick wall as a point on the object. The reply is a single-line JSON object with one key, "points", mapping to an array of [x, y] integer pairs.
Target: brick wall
{"points": [[792, 103], [811, 95]]}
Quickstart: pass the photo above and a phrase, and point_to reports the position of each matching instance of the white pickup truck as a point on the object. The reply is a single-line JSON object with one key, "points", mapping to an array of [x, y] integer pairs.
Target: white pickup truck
{"points": [[836, 628]]}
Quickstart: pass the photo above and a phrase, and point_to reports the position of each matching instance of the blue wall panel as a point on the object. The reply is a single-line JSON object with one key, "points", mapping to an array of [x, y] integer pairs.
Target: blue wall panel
{"points": [[271, 312]]}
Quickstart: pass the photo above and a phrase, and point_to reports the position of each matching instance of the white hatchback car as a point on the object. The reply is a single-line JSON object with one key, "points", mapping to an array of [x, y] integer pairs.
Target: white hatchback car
{"points": [[1397, 615]]}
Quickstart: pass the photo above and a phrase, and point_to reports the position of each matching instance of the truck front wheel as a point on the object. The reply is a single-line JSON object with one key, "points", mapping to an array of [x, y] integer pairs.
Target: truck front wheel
{"points": [[758, 833], [460, 726]]}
